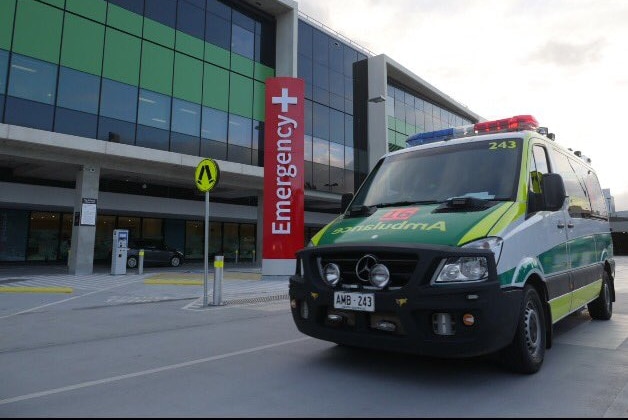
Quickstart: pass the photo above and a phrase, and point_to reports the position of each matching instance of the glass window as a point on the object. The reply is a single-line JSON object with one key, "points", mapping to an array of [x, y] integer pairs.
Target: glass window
{"points": [[305, 39], [578, 201], [13, 232], [243, 42], [321, 151], [152, 228], [598, 202], [348, 130], [118, 100], [305, 72], [321, 76], [307, 145], [231, 241], [154, 110], [186, 117], [76, 123], [219, 9], [191, 19], [163, 11], [78, 90], [337, 126], [136, 6], [320, 43], [214, 149], [32, 79], [239, 154], [132, 224], [28, 113], [218, 30], [350, 57], [153, 138], [349, 158], [43, 236], [4, 61], [336, 53], [247, 242], [308, 117], [240, 130], [320, 176], [336, 155], [184, 143], [111, 129], [214, 124], [195, 239], [321, 121]]}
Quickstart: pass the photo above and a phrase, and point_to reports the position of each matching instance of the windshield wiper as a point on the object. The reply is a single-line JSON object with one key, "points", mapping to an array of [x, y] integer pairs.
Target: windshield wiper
{"points": [[405, 203]]}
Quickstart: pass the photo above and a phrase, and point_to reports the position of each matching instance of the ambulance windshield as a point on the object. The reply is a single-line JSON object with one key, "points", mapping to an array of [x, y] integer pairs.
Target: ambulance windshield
{"points": [[485, 170]]}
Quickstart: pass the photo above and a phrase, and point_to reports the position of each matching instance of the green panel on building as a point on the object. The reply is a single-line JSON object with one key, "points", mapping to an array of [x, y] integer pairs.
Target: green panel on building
{"points": [[58, 3], [216, 87], [82, 47], [157, 65], [189, 45], [7, 12], [259, 100], [263, 72], [391, 122], [158, 33], [38, 31], [400, 139], [241, 95], [217, 55], [188, 78], [124, 20], [242, 65], [93, 9], [122, 57]]}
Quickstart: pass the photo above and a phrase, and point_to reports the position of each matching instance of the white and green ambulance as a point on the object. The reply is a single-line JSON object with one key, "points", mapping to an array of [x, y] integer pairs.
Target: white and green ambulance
{"points": [[471, 241]]}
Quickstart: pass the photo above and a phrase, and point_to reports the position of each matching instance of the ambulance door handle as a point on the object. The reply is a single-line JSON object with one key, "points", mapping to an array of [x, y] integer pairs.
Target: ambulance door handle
{"points": [[560, 225], [570, 225]]}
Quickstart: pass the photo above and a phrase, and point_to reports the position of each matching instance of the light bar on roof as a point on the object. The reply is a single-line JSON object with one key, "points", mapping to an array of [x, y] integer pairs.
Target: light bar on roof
{"points": [[516, 123]]}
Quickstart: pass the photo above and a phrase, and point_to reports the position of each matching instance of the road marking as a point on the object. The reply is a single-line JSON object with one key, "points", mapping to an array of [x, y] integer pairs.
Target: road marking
{"points": [[63, 300], [147, 372], [27, 289], [175, 282]]}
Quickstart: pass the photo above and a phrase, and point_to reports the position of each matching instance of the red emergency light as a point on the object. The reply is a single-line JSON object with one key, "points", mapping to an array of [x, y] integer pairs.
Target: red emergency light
{"points": [[516, 123]]}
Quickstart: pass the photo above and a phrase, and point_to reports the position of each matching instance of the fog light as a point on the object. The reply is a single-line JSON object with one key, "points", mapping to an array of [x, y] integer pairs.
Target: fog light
{"points": [[305, 310], [468, 319], [443, 324], [335, 319], [386, 326]]}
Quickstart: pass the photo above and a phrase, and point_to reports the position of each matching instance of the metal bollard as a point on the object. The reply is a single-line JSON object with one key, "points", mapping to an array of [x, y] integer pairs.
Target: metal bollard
{"points": [[237, 253], [219, 266], [140, 264]]}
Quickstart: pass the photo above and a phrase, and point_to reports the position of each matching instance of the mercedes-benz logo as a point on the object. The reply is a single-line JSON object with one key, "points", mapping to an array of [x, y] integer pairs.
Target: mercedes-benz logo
{"points": [[364, 266]]}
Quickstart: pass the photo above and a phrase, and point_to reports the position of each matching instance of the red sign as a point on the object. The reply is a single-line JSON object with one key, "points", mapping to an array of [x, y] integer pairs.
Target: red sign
{"points": [[399, 214], [283, 168]]}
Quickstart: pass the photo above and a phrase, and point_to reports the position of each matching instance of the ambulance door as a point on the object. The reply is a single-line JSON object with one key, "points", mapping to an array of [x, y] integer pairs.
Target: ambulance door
{"points": [[551, 237]]}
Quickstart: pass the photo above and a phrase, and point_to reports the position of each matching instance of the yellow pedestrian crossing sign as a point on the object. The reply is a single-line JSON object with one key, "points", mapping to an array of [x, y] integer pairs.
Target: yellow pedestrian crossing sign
{"points": [[207, 175]]}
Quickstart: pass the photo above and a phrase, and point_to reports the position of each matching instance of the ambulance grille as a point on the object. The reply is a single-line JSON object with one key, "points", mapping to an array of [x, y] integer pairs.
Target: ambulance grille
{"points": [[401, 267]]}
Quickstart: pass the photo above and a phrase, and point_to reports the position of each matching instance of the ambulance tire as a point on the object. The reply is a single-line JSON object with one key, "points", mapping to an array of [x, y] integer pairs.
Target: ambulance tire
{"points": [[526, 352], [602, 307]]}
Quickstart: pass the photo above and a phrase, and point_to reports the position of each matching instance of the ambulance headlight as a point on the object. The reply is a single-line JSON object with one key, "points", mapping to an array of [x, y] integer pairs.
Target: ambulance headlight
{"points": [[331, 274], [461, 269], [493, 243]]}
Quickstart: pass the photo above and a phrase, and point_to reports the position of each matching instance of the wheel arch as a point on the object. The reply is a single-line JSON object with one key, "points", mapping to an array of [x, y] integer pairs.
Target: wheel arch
{"points": [[609, 270]]}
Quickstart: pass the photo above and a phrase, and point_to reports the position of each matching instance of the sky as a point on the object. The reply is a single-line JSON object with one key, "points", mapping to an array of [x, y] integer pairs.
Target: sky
{"points": [[563, 61]]}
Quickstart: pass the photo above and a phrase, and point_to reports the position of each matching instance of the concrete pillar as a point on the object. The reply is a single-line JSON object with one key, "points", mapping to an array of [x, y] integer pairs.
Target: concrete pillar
{"points": [[84, 227], [287, 36], [377, 120]]}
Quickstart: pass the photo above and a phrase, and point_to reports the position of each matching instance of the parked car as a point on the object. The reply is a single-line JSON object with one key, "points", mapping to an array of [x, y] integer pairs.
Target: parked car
{"points": [[156, 252]]}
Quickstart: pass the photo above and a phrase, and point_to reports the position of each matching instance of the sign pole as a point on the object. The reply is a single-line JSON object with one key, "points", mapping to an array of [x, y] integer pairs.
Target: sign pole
{"points": [[206, 253], [206, 177]]}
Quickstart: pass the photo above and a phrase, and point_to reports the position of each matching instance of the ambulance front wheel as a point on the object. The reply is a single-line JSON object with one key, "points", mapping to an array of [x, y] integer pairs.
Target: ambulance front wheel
{"points": [[526, 352]]}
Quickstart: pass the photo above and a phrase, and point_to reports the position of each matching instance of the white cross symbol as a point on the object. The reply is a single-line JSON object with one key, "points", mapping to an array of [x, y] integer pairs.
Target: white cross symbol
{"points": [[284, 100]]}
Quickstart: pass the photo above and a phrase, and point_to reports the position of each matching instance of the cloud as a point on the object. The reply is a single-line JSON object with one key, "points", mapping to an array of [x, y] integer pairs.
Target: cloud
{"points": [[569, 55]]}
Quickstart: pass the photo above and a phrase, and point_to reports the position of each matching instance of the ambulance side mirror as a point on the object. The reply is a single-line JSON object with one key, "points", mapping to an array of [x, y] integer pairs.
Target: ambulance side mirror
{"points": [[345, 201], [553, 189]]}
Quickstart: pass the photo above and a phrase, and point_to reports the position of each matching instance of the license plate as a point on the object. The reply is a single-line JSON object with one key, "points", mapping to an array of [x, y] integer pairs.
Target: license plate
{"points": [[354, 301]]}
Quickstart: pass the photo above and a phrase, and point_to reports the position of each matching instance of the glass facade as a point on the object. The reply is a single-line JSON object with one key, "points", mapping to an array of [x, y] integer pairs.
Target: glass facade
{"points": [[185, 76], [326, 65], [409, 114], [45, 236]]}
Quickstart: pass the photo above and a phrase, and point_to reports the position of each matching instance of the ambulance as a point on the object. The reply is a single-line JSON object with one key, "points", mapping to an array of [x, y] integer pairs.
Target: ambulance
{"points": [[471, 241]]}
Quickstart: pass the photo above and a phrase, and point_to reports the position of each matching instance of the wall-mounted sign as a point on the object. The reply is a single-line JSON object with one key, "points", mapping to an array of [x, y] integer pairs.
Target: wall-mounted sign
{"points": [[88, 212]]}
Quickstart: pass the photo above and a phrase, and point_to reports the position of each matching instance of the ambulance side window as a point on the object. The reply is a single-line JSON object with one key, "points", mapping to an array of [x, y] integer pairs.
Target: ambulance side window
{"points": [[538, 167], [579, 205]]}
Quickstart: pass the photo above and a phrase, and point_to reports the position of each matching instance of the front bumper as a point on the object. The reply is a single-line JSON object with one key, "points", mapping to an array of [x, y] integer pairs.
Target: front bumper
{"points": [[410, 308]]}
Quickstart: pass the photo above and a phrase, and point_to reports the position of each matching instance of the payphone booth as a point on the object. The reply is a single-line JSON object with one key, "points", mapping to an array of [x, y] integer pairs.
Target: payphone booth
{"points": [[119, 249]]}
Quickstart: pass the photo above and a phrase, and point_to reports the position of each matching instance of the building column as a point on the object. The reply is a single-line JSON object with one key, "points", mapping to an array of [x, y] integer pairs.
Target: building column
{"points": [[259, 237], [81, 259]]}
